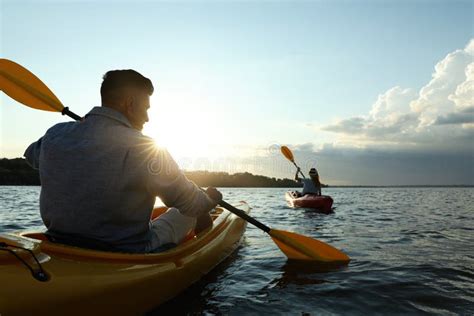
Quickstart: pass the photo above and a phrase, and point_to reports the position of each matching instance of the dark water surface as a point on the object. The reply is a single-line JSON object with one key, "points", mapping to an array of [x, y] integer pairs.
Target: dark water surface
{"points": [[412, 252]]}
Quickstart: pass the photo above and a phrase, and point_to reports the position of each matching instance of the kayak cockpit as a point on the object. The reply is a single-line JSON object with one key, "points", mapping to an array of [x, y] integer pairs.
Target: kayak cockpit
{"points": [[190, 245]]}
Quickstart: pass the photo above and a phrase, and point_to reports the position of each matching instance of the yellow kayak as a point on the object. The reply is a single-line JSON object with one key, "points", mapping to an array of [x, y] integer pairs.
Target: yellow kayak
{"points": [[41, 277]]}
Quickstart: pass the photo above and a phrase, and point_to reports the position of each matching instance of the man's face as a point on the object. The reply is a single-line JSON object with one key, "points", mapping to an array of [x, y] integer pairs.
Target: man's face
{"points": [[137, 109]]}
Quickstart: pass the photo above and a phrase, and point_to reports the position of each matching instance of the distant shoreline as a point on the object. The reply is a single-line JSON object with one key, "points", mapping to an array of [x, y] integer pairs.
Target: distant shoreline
{"points": [[16, 172], [328, 187]]}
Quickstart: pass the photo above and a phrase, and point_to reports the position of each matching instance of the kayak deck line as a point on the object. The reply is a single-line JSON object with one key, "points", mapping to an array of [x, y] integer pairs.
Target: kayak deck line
{"points": [[82, 280]]}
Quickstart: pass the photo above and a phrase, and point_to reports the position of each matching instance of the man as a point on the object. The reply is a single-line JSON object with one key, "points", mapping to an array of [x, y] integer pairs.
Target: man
{"points": [[311, 185], [100, 176]]}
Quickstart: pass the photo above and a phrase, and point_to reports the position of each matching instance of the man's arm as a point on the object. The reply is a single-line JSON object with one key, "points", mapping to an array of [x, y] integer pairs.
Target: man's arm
{"points": [[32, 154], [296, 175], [165, 180]]}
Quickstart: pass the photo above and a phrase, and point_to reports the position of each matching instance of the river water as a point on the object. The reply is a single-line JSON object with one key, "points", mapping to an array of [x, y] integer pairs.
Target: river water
{"points": [[412, 252]]}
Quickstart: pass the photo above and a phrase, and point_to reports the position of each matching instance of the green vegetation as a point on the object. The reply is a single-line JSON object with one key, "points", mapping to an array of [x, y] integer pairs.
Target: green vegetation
{"points": [[223, 179], [18, 172]]}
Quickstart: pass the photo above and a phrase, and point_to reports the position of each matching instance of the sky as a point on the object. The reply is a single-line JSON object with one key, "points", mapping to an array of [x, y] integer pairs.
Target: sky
{"points": [[369, 92]]}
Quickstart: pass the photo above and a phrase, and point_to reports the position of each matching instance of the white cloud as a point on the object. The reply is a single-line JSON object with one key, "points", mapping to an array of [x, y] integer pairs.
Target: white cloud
{"points": [[463, 97], [450, 73], [438, 117], [391, 103]]}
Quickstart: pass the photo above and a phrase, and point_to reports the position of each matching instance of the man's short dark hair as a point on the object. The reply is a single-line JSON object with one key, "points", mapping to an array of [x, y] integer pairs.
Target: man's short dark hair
{"points": [[116, 81]]}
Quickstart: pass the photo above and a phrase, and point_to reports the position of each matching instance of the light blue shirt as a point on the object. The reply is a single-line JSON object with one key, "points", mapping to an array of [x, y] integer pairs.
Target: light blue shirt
{"points": [[308, 186], [100, 178]]}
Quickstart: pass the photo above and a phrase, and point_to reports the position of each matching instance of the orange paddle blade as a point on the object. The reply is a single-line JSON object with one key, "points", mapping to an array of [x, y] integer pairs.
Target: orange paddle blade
{"points": [[23, 86], [287, 153], [299, 247]]}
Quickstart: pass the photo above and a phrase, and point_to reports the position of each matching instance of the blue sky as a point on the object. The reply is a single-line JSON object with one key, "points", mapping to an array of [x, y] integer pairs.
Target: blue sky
{"points": [[348, 85]]}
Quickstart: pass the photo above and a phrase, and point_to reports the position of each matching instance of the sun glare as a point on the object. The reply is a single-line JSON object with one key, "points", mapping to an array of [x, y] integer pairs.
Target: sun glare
{"points": [[187, 134]]}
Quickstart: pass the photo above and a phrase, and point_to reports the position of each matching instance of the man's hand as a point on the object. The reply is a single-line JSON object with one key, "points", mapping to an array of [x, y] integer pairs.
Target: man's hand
{"points": [[214, 194]]}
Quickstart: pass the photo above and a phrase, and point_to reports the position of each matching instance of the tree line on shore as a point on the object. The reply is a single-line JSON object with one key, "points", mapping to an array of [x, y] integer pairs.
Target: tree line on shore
{"points": [[17, 172]]}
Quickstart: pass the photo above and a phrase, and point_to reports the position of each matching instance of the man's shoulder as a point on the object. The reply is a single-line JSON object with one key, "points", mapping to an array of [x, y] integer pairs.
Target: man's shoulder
{"points": [[133, 136], [138, 143], [59, 127]]}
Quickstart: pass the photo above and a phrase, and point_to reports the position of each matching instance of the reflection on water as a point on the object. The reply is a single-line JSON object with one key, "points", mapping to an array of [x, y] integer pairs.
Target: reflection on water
{"points": [[411, 251], [303, 273]]}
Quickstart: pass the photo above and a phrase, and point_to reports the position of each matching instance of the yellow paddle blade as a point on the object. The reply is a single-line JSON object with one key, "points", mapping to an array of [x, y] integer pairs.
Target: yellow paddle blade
{"points": [[23, 86], [299, 247], [287, 153]]}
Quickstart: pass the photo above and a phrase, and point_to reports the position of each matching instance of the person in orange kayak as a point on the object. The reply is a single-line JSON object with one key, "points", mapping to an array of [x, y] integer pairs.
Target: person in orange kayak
{"points": [[311, 185], [100, 176]]}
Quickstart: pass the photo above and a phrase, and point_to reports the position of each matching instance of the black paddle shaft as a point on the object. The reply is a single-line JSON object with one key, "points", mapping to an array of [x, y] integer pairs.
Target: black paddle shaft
{"points": [[299, 169], [71, 114], [244, 215]]}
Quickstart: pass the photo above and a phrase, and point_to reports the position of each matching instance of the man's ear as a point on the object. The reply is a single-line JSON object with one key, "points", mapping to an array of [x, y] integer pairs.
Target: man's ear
{"points": [[129, 103]]}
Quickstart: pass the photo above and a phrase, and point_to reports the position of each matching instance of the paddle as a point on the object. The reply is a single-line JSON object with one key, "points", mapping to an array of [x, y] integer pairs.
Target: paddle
{"points": [[23, 86], [289, 155], [293, 245]]}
